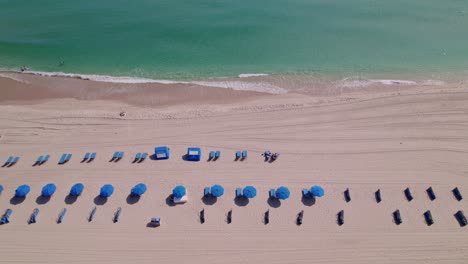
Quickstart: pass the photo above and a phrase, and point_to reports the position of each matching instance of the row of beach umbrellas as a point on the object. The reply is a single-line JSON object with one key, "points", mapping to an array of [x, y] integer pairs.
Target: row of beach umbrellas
{"points": [[179, 191]]}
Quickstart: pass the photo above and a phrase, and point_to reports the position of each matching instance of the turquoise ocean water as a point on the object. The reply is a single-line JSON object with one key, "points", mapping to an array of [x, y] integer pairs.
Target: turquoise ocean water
{"points": [[196, 39]]}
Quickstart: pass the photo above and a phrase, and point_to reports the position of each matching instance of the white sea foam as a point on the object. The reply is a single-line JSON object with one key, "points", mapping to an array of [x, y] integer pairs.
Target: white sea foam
{"points": [[356, 83], [247, 75]]}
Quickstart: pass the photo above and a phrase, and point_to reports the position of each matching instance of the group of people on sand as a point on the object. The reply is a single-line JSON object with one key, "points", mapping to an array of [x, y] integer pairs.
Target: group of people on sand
{"points": [[269, 156]]}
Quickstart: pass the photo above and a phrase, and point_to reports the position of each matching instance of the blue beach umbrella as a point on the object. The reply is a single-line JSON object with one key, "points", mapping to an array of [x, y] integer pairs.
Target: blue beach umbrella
{"points": [[217, 190], [76, 189], [22, 190], [317, 191], [48, 190], [107, 190], [1, 188], [179, 191], [282, 193], [250, 192], [138, 189]]}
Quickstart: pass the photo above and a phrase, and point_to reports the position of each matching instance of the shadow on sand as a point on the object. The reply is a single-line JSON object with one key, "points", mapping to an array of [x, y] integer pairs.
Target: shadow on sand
{"points": [[169, 201], [17, 200], [70, 199], [99, 200], [274, 202], [133, 199], [308, 201], [209, 199], [42, 199], [241, 201]]}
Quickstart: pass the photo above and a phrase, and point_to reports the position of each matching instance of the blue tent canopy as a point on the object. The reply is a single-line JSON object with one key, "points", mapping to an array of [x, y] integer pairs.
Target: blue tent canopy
{"points": [[317, 191], [194, 154], [76, 189], [107, 190], [217, 190], [249, 192], [179, 191], [1, 188], [282, 193], [138, 189], [22, 190], [48, 190], [161, 153]]}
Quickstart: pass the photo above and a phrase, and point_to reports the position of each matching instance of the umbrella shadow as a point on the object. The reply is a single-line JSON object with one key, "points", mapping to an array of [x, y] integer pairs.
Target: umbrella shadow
{"points": [[241, 201], [170, 201], [99, 200], [17, 200], [209, 199], [274, 202], [42, 199], [133, 199], [152, 157], [308, 201], [71, 199]]}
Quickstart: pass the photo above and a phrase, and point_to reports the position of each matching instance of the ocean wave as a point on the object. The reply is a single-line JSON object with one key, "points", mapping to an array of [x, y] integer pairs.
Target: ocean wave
{"points": [[359, 83], [247, 75]]}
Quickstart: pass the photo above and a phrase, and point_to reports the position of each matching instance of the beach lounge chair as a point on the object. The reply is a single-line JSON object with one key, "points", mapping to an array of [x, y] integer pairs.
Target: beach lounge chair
{"points": [[229, 217], [6, 217], [300, 217], [115, 156], [202, 216], [397, 217], [266, 218], [137, 157], [211, 156], [14, 161], [92, 157], [461, 218], [305, 192], [121, 154], [238, 155], [117, 215], [86, 157], [8, 161], [67, 158], [143, 157], [408, 195], [238, 192], [62, 158], [217, 155], [244, 154], [272, 193], [206, 191], [45, 159], [340, 218], [155, 222], [91, 215], [38, 161], [62, 216], [33, 217], [347, 196], [457, 194], [431, 194], [428, 217], [378, 196]]}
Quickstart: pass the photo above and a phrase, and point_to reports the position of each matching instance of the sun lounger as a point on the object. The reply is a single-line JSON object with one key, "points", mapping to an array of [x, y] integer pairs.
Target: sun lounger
{"points": [[39, 160], [86, 157], [397, 217], [62, 215], [431, 194], [408, 195], [266, 218], [238, 192], [121, 154], [457, 194], [14, 161], [93, 157], [137, 157], [202, 216], [305, 192], [8, 161], [32, 219], [117, 215], [91, 215], [68, 157], [244, 154], [45, 159], [115, 156], [217, 154], [206, 192], [238, 155], [340, 217], [211, 155], [461, 218], [143, 157], [62, 158], [272, 193], [6, 217], [300, 217], [347, 195], [428, 217], [229, 217], [378, 196]]}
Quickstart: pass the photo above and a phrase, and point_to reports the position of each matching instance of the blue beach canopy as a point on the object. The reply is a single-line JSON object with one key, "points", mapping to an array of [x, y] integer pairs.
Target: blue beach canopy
{"points": [[217, 190], [48, 190], [179, 191], [249, 192], [138, 189], [194, 154], [282, 193], [107, 190], [1, 188], [317, 191], [22, 190], [76, 189], [161, 153]]}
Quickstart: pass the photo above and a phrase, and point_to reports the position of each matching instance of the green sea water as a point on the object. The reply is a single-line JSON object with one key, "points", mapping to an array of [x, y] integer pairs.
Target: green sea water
{"points": [[195, 39]]}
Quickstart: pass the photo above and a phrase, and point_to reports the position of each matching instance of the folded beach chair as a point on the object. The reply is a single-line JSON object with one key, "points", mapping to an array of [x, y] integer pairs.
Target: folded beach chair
{"points": [[461, 218], [32, 219], [272, 193], [68, 157], [115, 156], [266, 218], [244, 154], [14, 161], [91, 215], [238, 155], [45, 159], [143, 157], [238, 192], [86, 157], [340, 217], [300, 217], [428, 217], [202, 216], [431, 194], [378, 196], [211, 155], [457, 194], [8, 161], [217, 154], [347, 196], [38, 161], [397, 217], [92, 157], [62, 215], [6, 217], [229, 217], [137, 157], [408, 195], [62, 158], [206, 191], [117, 215]]}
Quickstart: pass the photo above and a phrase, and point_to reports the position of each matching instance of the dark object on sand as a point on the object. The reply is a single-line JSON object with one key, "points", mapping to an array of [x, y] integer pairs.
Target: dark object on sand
{"points": [[91, 216], [266, 219], [202, 216], [461, 218], [431, 194], [397, 217], [32, 219], [340, 218], [408, 195], [428, 217], [347, 196], [229, 217], [300, 216], [378, 196], [155, 222], [117, 215], [457, 194]]}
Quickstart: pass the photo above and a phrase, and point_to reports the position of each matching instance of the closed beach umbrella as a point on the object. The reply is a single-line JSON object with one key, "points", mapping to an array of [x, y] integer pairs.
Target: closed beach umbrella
{"points": [[48, 190], [138, 189], [1, 188], [22, 190], [217, 190], [250, 192], [282, 193], [179, 191], [77, 189], [317, 191], [107, 190]]}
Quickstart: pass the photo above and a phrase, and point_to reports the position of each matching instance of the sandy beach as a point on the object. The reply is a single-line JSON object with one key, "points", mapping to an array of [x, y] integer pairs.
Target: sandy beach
{"points": [[364, 139]]}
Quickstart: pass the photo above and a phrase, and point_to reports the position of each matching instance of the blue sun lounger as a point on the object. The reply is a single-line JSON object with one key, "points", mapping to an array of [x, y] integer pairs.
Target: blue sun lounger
{"points": [[93, 212], [217, 154], [272, 193], [86, 157], [62, 159], [120, 156], [39, 160], [207, 191], [92, 157], [32, 219], [137, 157], [212, 155], [45, 159], [238, 192], [9, 160], [14, 161], [117, 215], [244, 154], [68, 157], [238, 155], [143, 157], [305, 193], [62, 215], [115, 156], [6, 217]]}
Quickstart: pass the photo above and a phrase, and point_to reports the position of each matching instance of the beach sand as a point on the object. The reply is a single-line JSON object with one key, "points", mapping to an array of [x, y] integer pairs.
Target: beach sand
{"points": [[386, 138]]}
